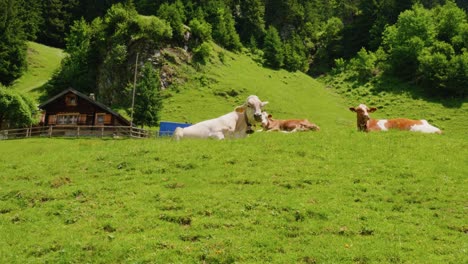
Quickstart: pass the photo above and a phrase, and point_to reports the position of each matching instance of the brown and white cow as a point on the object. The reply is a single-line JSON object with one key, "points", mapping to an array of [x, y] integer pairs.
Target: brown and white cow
{"points": [[367, 124], [235, 124], [286, 125]]}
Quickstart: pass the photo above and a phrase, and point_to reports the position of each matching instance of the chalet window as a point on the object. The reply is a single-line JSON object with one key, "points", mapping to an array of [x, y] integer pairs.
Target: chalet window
{"points": [[52, 119], [100, 118], [70, 100], [67, 119]]}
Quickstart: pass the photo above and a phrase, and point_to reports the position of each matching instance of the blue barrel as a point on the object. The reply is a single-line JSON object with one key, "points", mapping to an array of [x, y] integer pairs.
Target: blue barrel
{"points": [[167, 128]]}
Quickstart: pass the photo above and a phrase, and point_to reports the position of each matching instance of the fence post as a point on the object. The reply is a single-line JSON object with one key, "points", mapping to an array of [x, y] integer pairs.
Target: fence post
{"points": [[78, 131], [50, 131]]}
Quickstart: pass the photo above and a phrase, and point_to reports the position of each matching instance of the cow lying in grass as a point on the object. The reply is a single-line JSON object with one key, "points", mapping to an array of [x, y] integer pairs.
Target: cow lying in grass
{"points": [[365, 123], [286, 125], [235, 124]]}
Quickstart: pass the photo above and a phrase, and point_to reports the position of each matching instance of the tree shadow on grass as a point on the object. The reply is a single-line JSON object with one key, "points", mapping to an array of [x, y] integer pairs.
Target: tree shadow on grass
{"points": [[395, 86]]}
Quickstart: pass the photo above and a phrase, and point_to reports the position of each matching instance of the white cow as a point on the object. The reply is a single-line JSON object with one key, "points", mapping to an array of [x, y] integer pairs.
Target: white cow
{"points": [[236, 124]]}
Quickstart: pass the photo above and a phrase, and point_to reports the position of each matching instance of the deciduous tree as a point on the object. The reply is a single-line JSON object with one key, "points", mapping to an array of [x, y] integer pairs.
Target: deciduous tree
{"points": [[16, 110]]}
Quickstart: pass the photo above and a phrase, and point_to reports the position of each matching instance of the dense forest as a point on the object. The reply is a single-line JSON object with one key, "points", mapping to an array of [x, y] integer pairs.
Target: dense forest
{"points": [[424, 42]]}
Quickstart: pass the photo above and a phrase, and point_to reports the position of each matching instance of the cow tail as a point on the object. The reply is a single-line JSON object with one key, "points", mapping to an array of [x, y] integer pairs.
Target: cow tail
{"points": [[178, 133]]}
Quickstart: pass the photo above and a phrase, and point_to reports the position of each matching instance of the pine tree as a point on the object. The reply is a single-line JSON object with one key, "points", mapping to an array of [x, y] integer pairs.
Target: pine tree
{"points": [[58, 17], [252, 20], [273, 49], [32, 17], [224, 31], [12, 41], [148, 99]]}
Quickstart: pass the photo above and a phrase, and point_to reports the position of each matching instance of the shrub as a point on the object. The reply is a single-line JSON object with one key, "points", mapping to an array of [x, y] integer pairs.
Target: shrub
{"points": [[16, 110], [201, 31], [202, 53], [364, 64]]}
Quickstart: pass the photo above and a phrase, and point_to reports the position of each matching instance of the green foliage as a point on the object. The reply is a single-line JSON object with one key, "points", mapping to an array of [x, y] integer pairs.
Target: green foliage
{"points": [[12, 41], [295, 54], [224, 31], [340, 66], [122, 34], [32, 18], [16, 109], [148, 99], [313, 34], [147, 7], [364, 64], [76, 69], [200, 30], [174, 14], [58, 18], [449, 20], [202, 53], [404, 41], [251, 23], [428, 45], [329, 45], [150, 29], [101, 53], [273, 51], [444, 72]]}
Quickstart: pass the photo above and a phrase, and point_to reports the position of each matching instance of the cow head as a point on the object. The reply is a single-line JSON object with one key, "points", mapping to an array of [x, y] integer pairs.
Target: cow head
{"points": [[253, 109], [362, 112], [265, 119]]}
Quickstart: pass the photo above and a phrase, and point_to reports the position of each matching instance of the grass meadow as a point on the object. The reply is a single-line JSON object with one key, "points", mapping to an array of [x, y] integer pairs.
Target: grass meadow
{"points": [[333, 196], [270, 198]]}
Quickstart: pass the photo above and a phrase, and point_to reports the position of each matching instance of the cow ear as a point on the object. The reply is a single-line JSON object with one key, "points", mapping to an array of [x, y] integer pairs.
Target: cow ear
{"points": [[264, 103], [372, 109], [240, 109], [270, 116], [352, 109]]}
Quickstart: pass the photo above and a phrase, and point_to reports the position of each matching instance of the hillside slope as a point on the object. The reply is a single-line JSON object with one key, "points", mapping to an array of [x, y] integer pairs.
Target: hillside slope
{"points": [[221, 86], [42, 62], [229, 78]]}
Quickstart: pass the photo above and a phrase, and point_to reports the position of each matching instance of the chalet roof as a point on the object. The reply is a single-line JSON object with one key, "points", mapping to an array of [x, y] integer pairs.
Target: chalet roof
{"points": [[87, 98]]}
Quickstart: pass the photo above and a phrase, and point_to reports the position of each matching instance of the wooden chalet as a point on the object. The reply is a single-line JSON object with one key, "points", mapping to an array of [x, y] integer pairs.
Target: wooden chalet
{"points": [[72, 108]]}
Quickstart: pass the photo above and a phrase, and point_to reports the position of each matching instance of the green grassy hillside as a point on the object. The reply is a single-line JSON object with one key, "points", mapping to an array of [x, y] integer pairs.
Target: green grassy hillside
{"points": [[221, 86], [42, 62]]}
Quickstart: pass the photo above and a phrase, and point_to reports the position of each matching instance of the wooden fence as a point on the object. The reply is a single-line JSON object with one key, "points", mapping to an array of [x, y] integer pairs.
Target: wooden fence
{"points": [[75, 131]]}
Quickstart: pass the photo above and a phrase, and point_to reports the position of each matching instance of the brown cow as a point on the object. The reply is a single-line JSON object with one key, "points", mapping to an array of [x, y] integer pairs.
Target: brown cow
{"points": [[366, 124], [287, 125]]}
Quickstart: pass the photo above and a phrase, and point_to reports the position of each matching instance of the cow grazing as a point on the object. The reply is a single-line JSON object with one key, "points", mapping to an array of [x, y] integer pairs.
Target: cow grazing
{"points": [[236, 124], [287, 125], [365, 123]]}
